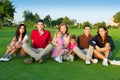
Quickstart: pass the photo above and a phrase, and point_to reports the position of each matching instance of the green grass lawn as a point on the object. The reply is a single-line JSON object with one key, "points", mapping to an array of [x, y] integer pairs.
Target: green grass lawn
{"points": [[51, 70]]}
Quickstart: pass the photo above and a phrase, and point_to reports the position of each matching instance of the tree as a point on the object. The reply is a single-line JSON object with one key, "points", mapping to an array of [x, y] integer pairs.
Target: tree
{"points": [[29, 18], [96, 25], [86, 23], [36, 16], [47, 20], [53, 23], [67, 20], [7, 10], [117, 18], [59, 21]]}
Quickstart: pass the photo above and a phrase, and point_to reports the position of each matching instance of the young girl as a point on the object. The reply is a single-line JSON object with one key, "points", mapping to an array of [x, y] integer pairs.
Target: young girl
{"points": [[15, 45], [59, 46], [72, 44]]}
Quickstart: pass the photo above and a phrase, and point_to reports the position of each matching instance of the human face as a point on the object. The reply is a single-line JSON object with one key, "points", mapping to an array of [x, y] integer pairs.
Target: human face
{"points": [[40, 26], [72, 41], [102, 32], [22, 29], [87, 30], [59, 35], [63, 29]]}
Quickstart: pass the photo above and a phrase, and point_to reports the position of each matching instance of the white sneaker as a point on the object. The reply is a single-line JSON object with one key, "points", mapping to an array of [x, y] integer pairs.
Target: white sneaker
{"points": [[71, 58], [94, 61], [105, 62], [58, 59], [4, 59], [87, 62], [114, 62]]}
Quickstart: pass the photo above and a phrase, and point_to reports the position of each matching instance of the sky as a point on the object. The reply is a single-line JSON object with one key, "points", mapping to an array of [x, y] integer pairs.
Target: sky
{"points": [[81, 10]]}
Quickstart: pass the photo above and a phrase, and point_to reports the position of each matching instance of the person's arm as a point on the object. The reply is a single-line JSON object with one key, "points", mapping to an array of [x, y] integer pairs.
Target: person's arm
{"points": [[54, 42], [92, 42], [49, 38]]}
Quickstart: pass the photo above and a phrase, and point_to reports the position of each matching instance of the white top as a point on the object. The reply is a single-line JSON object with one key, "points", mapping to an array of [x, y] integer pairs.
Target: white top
{"points": [[25, 38]]}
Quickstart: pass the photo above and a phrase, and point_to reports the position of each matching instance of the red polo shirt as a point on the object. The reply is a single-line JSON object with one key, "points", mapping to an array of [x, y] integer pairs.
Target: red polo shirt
{"points": [[40, 40]]}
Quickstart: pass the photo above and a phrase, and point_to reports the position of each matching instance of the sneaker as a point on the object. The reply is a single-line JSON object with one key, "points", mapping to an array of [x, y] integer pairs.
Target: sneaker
{"points": [[4, 59], [28, 61], [87, 62], [71, 58], [94, 61], [114, 62], [58, 59], [40, 60], [105, 62]]}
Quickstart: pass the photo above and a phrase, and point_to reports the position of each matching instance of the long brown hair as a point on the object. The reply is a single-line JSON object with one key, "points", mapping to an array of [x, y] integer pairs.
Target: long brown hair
{"points": [[17, 34], [100, 38], [63, 24]]}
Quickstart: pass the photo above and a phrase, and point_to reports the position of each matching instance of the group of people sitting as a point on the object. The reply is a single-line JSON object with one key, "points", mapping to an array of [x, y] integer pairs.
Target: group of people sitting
{"points": [[63, 46]]}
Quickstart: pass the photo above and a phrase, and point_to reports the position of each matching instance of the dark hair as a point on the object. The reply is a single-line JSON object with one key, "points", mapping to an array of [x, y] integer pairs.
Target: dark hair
{"points": [[102, 28], [17, 34], [87, 26], [100, 38], [62, 24], [73, 36], [40, 20]]}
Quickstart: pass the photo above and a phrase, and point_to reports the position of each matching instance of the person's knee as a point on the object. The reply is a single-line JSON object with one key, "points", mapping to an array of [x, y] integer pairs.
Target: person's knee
{"points": [[24, 45]]}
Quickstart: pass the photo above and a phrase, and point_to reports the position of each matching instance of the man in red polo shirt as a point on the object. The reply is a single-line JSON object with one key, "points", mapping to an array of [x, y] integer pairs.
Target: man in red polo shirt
{"points": [[41, 46]]}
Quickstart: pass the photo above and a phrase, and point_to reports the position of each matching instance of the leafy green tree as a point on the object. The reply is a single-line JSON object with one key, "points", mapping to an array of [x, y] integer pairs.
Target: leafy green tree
{"points": [[117, 18], [86, 23], [67, 21], [29, 18], [36, 16], [53, 23], [59, 21], [96, 25], [47, 20], [7, 10]]}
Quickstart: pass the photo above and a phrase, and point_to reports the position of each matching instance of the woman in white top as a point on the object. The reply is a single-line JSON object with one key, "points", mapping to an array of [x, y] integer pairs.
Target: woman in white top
{"points": [[15, 45]]}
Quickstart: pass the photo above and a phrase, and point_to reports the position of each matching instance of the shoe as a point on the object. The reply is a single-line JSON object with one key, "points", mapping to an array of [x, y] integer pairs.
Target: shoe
{"points": [[4, 59], [114, 62], [94, 61], [71, 58], [61, 58], [58, 59], [87, 62], [40, 61], [105, 62], [28, 61]]}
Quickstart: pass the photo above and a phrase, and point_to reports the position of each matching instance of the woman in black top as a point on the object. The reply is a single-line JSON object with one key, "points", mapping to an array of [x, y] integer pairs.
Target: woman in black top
{"points": [[103, 45]]}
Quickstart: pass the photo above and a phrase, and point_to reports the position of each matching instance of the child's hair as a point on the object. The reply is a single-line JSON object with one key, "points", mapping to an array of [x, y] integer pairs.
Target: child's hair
{"points": [[73, 36], [58, 32]]}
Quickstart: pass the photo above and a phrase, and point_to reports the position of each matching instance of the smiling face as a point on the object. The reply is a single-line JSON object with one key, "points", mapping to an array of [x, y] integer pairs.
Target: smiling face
{"points": [[21, 29], [87, 30], [72, 41], [63, 29], [40, 26], [102, 32], [59, 34]]}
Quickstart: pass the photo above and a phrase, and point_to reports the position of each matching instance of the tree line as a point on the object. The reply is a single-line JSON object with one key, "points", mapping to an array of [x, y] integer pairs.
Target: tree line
{"points": [[7, 10]]}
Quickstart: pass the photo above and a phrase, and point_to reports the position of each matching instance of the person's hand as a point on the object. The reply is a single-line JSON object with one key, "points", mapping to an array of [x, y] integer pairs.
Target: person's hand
{"points": [[98, 48]]}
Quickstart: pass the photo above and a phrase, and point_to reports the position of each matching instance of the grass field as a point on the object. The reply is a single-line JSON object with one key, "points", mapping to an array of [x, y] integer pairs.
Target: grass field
{"points": [[51, 70]]}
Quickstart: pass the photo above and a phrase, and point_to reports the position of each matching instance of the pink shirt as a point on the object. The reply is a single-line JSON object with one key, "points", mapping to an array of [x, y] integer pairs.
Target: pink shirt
{"points": [[71, 46]]}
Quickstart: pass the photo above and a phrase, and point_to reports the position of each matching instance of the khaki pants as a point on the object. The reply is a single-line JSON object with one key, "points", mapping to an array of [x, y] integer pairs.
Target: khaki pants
{"points": [[37, 53], [85, 54]]}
